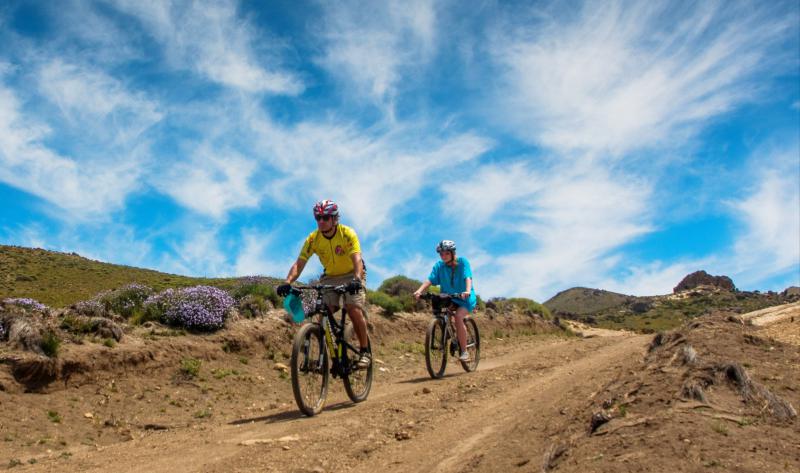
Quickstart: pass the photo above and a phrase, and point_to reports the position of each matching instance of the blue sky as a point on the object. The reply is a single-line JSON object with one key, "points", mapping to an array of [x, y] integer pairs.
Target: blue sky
{"points": [[618, 145]]}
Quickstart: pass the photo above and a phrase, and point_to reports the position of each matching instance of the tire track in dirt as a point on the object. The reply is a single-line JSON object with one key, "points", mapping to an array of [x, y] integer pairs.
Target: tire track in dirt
{"points": [[511, 383]]}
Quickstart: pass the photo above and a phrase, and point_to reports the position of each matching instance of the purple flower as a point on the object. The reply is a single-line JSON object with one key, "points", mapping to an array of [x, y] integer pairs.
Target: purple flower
{"points": [[198, 308], [26, 303]]}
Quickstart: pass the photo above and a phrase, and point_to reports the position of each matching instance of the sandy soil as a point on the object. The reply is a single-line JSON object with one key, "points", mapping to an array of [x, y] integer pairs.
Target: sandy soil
{"points": [[528, 408]]}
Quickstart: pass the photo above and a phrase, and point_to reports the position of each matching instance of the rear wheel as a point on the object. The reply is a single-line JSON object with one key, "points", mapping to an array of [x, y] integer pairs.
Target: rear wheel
{"points": [[357, 382], [309, 366], [473, 345], [436, 348]]}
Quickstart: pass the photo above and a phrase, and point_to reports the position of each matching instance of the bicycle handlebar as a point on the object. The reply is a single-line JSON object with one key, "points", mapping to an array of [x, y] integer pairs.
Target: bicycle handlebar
{"points": [[444, 296], [341, 289]]}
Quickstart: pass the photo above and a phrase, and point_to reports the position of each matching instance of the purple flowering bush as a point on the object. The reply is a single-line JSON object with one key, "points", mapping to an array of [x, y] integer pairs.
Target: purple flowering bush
{"points": [[196, 308], [26, 303]]}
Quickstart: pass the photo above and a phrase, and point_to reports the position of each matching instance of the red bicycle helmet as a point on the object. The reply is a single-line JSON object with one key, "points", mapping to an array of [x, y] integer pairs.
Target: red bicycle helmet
{"points": [[326, 207]]}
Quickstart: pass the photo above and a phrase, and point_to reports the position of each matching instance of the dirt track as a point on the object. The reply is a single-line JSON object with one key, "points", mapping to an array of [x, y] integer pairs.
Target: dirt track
{"points": [[500, 416]]}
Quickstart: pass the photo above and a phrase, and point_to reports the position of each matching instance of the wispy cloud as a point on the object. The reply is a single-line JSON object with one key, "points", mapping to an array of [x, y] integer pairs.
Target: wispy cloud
{"points": [[209, 181], [83, 188], [88, 97], [571, 219], [622, 76], [369, 45], [770, 215], [378, 171], [211, 39]]}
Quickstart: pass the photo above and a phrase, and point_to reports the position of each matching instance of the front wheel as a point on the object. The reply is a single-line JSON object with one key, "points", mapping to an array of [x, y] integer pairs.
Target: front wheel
{"points": [[357, 381], [309, 366], [473, 345], [436, 348]]}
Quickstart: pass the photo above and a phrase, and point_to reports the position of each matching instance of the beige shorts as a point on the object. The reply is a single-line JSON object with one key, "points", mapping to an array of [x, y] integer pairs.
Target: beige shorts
{"points": [[358, 299]]}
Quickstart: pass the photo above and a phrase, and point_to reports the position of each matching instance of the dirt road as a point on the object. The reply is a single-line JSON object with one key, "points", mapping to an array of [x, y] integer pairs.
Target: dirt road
{"points": [[499, 417]]}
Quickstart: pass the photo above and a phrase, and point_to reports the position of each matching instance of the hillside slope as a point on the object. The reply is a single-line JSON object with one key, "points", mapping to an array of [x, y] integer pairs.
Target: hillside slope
{"points": [[60, 279]]}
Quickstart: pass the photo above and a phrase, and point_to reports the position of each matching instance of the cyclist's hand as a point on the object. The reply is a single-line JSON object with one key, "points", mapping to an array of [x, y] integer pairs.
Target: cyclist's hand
{"points": [[354, 286], [283, 290], [417, 295], [465, 295]]}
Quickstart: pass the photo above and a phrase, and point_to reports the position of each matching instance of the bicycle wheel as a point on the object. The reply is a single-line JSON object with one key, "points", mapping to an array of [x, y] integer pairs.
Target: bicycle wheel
{"points": [[436, 348], [473, 345], [357, 382], [309, 366]]}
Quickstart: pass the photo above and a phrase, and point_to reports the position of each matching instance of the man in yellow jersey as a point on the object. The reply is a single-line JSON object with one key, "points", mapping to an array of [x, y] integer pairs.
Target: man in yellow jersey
{"points": [[339, 251]]}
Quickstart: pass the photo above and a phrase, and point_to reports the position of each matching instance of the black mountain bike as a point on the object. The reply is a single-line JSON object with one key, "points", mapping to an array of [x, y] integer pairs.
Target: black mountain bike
{"points": [[326, 346], [440, 337]]}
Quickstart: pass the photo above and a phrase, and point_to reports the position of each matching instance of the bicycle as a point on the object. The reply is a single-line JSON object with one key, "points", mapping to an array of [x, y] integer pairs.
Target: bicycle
{"points": [[315, 344], [441, 336]]}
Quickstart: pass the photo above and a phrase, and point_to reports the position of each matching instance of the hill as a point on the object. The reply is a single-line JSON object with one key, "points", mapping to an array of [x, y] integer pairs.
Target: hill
{"points": [[60, 279], [584, 300], [697, 294]]}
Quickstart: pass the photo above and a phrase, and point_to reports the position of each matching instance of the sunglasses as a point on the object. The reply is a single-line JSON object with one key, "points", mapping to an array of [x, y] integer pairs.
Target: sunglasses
{"points": [[323, 217]]}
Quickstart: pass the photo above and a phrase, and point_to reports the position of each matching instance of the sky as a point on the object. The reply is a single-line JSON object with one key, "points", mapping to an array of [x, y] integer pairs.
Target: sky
{"points": [[617, 145]]}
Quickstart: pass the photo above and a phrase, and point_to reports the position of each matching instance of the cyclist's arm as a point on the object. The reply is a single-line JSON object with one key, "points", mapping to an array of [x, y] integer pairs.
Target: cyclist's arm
{"points": [[358, 266], [425, 285], [468, 290], [296, 270]]}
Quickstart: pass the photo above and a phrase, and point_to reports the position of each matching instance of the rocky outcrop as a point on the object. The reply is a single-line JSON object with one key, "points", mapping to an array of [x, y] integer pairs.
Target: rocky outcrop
{"points": [[702, 278]]}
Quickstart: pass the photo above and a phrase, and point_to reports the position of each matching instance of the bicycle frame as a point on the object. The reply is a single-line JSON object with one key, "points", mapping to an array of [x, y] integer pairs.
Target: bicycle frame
{"points": [[334, 330]]}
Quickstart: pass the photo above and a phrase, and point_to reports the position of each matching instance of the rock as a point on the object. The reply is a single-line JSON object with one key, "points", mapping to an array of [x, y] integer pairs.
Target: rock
{"points": [[791, 291], [281, 367], [402, 435], [426, 390], [702, 278]]}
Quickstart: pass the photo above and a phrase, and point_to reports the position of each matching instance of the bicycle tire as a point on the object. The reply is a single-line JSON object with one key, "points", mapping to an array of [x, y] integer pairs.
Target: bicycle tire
{"points": [[309, 366], [357, 382], [473, 345], [436, 348]]}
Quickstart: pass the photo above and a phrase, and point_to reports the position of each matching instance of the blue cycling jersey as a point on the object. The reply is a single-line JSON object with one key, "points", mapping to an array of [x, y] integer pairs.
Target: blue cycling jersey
{"points": [[454, 280]]}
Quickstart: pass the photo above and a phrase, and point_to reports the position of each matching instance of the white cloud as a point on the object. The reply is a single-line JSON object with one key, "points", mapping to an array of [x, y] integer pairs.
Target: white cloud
{"points": [[255, 256], [209, 38], [623, 76], [368, 174], [210, 182], [770, 243], [83, 188], [89, 97], [572, 219], [199, 254], [368, 45]]}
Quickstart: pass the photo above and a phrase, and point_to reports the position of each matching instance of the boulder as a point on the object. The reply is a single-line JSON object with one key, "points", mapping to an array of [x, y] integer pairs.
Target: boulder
{"points": [[702, 278]]}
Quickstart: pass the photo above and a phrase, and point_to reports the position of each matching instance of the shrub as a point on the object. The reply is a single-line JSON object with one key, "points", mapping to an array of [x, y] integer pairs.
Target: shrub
{"points": [[26, 303], [256, 286], [389, 304], [399, 286], [252, 305], [190, 367], [126, 300], [196, 308], [50, 343], [521, 304], [91, 308]]}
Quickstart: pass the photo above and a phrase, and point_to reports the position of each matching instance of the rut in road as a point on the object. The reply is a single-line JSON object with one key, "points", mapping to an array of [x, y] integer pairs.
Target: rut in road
{"points": [[481, 421]]}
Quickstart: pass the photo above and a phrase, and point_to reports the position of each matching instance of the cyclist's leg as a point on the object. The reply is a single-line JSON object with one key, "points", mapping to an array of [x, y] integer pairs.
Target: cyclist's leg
{"points": [[359, 323], [461, 329]]}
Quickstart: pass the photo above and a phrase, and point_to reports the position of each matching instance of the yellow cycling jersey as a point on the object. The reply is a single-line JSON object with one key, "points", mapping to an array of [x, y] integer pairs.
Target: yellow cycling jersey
{"points": [[334, 253]]}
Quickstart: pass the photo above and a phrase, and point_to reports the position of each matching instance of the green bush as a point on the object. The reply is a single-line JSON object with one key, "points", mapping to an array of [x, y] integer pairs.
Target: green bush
{"points": [[127, 300], [252, 305], [390, 305], [520, 304], [256, 286], [50, 343], [190, 367], [399, 286]]}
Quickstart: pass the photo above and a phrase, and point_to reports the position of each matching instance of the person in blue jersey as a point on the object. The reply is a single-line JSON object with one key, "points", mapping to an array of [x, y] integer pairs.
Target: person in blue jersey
{"points": [[454, 276]]}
